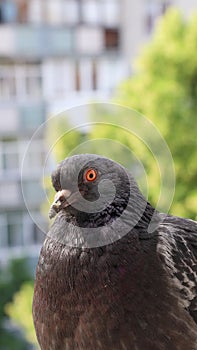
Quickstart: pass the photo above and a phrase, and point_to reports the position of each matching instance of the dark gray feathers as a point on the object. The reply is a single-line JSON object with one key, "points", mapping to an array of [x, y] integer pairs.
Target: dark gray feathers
{"points": [[130, 290]]}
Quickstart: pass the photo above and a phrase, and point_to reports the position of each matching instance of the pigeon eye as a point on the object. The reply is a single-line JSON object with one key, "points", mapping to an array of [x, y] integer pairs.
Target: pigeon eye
{"points": [[90, 175]]}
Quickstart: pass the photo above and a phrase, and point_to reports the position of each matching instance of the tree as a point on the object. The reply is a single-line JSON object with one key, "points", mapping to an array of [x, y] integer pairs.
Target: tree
{"points": [[164, 88], [20, 311], [11, 278]]}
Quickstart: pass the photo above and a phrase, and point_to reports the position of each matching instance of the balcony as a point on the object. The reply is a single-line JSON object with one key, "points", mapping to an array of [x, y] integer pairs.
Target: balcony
{"points": [[35, 42], [12, 197], [31, 42], [21, 118]]}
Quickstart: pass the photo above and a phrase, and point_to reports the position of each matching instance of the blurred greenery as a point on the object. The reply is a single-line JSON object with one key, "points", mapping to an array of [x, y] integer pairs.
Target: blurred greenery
{"points": [[163, 88], [20, 311], [62, 136], [11, 279]]}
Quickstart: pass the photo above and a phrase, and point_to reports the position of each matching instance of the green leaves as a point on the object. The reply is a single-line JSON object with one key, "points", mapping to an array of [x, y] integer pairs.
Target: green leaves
{"points": [[20, 311], [164, 89], [11, 278]]}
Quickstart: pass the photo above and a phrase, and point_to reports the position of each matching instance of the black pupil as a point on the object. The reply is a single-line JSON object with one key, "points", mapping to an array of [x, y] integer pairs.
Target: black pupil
{"points": [[91, 175]]}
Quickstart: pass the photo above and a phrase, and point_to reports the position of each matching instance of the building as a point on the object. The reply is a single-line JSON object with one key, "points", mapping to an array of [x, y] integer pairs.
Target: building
{"points": [[56, 54]]}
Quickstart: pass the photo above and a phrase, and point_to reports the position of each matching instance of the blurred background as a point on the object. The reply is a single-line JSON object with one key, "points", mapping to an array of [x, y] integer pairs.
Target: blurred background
{"points": [[58, 54]]}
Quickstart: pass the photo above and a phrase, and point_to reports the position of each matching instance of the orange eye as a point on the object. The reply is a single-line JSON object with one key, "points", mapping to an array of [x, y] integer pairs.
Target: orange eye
{"points": [[91, 175]]}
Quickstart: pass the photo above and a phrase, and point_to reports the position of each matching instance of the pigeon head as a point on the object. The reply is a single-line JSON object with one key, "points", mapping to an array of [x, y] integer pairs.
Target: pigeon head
{"points": [[90, 184], [94, 191]]}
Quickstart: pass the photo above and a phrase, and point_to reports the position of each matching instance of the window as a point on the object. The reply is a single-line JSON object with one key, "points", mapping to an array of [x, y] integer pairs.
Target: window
{"points": [[54, 11], [14, 230], [32, 80], [12, 154], [110, 12], [87, 74], [90, 11], [111, 38], [9, 193], [34, 157], [35, 11], [9, 157], [17, 229], [70, 11], [14, 11], [28, 80], [23, 11], [20, 81], [52, 70], [110, 73], [79, 75], [8, 11], [7, 82]]}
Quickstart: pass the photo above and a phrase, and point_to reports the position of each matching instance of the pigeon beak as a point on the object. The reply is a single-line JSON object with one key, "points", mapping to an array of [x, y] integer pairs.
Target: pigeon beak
{"points": [[60, 202]]}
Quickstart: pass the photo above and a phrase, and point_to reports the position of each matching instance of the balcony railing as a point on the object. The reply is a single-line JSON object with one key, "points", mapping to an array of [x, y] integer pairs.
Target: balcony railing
{"points": [[35, 41], [21, 118]]}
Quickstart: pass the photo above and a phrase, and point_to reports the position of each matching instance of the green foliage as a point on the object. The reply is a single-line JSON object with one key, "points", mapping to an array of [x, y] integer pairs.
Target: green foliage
{"points": [[11, 278], [164, 89], [62, 137], [20, 311]]}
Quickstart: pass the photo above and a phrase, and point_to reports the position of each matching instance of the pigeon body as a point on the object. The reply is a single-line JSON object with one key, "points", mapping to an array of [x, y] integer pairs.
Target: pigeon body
{"points": [[138, 291]]}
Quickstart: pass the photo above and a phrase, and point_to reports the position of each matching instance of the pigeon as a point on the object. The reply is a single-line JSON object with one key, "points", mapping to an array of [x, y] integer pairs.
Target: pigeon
{"points": [[113, 272]]}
